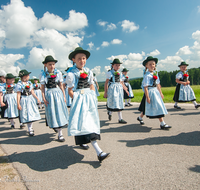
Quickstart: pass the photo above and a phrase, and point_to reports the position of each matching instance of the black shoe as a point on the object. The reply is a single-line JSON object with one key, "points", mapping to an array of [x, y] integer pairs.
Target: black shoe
{"points": [[61, 138], [198, 105], [109, 117], [122, 121], [22, 126], [165, 127], [31, 133], [85, 147], [126, 105], [56, 130], [12, 126], [101, 158], [177, 107], [141, 121], [130, 104]]}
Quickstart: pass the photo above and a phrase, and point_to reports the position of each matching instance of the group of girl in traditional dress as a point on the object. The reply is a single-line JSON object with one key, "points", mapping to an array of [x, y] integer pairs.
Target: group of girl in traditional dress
{"points": [[80, 90]]}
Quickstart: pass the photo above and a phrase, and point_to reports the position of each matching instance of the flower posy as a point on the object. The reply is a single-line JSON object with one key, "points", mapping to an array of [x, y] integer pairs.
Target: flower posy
{"points": [[127, 77], [116, 73], [9, 86], [155, 75], [52, 75], [27, 86], [185, 74], [83, 75]]}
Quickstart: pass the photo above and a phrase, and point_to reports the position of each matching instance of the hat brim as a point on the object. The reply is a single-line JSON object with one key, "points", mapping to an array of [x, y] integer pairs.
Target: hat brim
{"points": [[147, 60], [183, 65], [125, 70], [44, 62], [72, 54], [11, 77], [25, 74], [115, 63]]}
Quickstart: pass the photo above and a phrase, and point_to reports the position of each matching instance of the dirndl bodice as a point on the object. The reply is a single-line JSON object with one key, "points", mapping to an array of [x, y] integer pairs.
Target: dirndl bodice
{"points": [[83, 83], [51, 83], [26, 92], [9, 90]]}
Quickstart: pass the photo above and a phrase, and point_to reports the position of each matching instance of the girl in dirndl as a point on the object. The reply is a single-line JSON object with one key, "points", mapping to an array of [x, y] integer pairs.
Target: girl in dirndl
{"points": [[152, 104], [125, 78], [9, 100], [26, 104], [38, 93], [184, 92], [114, 91], [54, 97], [84, 121]]}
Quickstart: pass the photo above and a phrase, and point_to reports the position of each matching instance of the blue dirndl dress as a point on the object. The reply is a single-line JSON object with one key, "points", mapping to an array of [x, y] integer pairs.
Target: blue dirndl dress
{"points": [[67, 96], [156, 108], [38, 93], [129, 88], [183, 93], [29, 112], [84, 121], [115, 95], [56, 112], [10, 111]]}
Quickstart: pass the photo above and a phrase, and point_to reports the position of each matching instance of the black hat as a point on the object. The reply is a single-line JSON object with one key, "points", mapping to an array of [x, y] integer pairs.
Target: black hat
{"points": [[10, 76], [183, 63], [79, 50], [150, 58], [23, 72], [116, 61], [49, 58], [125, 70]]}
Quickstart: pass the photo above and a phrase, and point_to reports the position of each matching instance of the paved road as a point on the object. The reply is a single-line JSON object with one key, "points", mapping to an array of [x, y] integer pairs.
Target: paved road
{"points": [[142, 157]]}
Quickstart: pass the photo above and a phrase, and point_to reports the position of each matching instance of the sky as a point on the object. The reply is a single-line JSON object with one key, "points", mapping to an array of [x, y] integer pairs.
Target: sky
{"points": [[128, 30]]}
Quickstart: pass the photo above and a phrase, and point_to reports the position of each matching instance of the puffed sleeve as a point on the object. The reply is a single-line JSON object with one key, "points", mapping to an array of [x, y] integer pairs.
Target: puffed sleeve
{"points": [[91, 81], [121, 77], [158, 80], [18, 87], [70, 79], [1, 88], [146, 81], [42, 78], [60, 77], [108, 75], [179, 75]]}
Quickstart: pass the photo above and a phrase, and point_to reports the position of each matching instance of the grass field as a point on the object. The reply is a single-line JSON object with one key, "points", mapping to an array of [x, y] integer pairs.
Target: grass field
{"points": [[168, 93]]}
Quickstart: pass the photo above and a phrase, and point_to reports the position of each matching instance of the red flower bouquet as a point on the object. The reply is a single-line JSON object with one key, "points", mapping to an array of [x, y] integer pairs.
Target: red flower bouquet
{"points": [[84, 75], [36, 85], [185, 75], [9, 86], [52, 75], [116, 73], [155, 76], [127, 77], [27, 87]]}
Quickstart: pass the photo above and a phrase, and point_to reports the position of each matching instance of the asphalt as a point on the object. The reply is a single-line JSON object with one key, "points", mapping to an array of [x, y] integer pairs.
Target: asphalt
{"points": [[141, 156]]}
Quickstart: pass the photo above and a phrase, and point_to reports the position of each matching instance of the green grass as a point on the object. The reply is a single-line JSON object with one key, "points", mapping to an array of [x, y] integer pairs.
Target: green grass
{"points": [[168, 93]]}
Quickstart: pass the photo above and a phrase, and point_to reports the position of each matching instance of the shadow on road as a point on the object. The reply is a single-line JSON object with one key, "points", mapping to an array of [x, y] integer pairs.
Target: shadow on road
{"points": [[50, 159], [132, 128], [188, 139], [195, 169]]}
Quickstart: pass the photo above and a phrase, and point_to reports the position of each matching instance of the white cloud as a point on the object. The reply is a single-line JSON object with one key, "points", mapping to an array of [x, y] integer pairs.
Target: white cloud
{"points": [[19, 23], [169, 63], [111, 26], [101, 23], [97, 48], [198, 7], [91, 35], [136, 56], [116, 41], [75, 22], [8, 63], [91, 45], [128, 26], [196, 35], [184, 51], [105, 44], [107, 26], [106, 68], [154, 53], [97, 70]]}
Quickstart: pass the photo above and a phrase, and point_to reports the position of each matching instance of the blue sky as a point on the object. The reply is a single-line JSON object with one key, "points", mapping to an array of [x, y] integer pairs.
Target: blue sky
{"points": [[128, 30]]}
